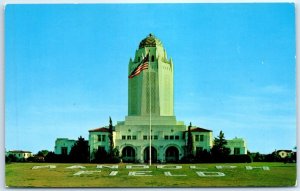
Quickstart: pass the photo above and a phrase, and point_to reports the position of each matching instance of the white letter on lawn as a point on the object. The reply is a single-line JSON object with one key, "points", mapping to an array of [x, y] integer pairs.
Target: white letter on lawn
{"points": [[72, 167], [214, 174], [258, 167], [221, 167], [169, 167], [113, 173], [85, 172], [139, 173], [105, 166], [48, 166], [137, 166], [194, 167], [169, 174]]}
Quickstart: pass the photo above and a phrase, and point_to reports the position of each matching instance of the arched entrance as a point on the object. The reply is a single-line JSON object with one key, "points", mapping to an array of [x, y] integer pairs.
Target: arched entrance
{"points": [[172, 154], [128, 154], [147, 155]]}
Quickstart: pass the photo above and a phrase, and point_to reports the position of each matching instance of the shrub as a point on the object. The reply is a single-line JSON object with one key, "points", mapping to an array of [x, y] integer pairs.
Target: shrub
{"points": [[54, 158], [187, 159], [239, 159], [115, 160], [203, 156]]}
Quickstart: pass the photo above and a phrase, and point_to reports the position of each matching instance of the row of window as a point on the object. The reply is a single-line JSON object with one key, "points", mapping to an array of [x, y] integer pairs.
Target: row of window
{"points": [[198, 138], [155, 137], [172, 137], [145, 137], [133, 137], [128, 137]]}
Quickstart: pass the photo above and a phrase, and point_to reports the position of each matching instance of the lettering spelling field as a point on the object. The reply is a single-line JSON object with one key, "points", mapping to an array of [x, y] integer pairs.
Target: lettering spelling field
{"points": [[136, 175]]}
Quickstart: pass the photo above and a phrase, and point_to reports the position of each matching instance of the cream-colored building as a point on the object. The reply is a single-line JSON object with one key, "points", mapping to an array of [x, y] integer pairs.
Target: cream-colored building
{"points": [[151, 122], [237, 146], [151, 106], [19, 154]]}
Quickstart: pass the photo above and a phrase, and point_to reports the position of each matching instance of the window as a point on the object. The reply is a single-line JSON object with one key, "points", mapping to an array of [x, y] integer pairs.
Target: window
{"points": [[201, 137], [237, 151], [166, 137], [145, 137], [171, 137], [196, 137], [151, 137], [133, 137], [64, 150], [176, 137], [155, 137], [103, 137], [128, 137], [139, 59], [152, 58], [99, 137], [123, 137]]}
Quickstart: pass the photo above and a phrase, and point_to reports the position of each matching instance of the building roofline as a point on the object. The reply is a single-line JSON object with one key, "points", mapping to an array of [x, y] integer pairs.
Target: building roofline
{"points": [[199, 129], [101, 129], [19, 151]]}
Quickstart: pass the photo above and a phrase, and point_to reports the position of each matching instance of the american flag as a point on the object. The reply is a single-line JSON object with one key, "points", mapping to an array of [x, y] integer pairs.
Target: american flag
{"points": [[142, 66]]}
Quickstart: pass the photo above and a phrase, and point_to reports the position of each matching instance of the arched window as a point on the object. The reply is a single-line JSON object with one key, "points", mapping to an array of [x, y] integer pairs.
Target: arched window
{"points": [[152, 58]]}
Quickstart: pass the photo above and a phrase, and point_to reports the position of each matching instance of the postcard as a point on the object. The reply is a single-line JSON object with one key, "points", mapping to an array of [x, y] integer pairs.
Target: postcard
{"points": [[150, 95]]}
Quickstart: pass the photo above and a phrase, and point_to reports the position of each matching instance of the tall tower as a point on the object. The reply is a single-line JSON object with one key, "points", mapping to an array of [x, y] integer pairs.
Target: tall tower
{"points": [[158, 79]]}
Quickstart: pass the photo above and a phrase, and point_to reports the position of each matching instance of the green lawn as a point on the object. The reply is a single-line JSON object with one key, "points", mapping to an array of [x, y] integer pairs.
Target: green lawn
{"points": [[22, 175]]}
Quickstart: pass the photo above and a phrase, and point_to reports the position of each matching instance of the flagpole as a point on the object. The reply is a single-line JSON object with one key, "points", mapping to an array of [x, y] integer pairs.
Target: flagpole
{"points": [[150, 157]]}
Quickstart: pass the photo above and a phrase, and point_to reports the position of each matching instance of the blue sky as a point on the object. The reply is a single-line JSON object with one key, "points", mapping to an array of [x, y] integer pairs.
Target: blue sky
{"points": [[66, 69]]}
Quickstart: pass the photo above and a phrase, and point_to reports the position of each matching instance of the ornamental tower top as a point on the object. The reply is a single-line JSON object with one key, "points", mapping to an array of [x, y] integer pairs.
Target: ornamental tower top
{"points": [[152, 72]]}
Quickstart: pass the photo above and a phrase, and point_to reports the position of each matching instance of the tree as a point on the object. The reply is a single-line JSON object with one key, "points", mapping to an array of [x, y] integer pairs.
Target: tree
{"points": [[258, 157], [80, 151], [203, 156], [51, 157], [219, 150], [190, 143], [42, 153], [113, 156], [100, 156], [111, 143], [11, 158]]}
